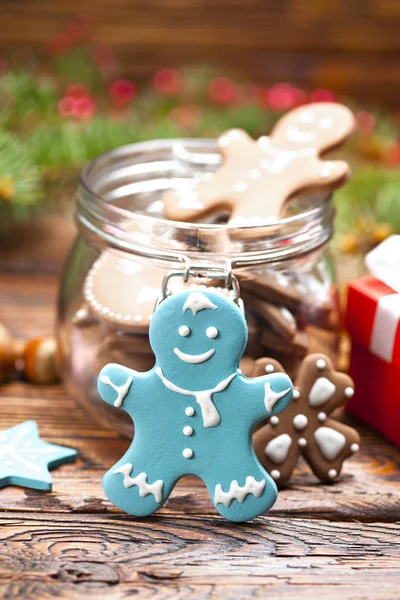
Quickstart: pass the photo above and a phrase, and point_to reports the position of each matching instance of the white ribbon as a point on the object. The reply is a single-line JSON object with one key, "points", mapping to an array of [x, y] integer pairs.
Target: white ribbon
{"points": [[384, 264]]}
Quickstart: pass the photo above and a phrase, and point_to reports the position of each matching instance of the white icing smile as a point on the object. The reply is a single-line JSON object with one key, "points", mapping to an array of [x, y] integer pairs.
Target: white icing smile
{"points": [[194, 359]]}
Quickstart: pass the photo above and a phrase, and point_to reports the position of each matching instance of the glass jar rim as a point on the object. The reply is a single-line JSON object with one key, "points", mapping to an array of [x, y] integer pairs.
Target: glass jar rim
{"points": [[105, 223]]}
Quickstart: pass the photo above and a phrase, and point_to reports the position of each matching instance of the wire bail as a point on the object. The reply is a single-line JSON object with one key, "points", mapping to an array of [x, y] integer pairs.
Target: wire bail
{"points": [[224, 273]]}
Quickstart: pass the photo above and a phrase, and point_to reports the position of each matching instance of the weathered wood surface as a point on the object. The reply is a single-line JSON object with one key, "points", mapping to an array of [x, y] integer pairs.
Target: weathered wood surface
{"points": [[325, 541], [349, 46]]}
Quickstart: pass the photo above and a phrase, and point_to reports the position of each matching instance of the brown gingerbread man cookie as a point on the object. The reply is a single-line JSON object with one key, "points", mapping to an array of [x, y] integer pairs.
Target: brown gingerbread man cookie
{"points": [[257, 177], [305, 427], [269, 287], [279, 318]]}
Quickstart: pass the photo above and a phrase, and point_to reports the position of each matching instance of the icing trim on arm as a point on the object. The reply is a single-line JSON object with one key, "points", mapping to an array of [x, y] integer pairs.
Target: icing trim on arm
{"points": [[121, 390], [271, 397]]}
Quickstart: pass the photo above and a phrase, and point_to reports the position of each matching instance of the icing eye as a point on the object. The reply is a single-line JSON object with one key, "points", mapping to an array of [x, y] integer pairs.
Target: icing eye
{"points": [[183, 330], [211, 332]]}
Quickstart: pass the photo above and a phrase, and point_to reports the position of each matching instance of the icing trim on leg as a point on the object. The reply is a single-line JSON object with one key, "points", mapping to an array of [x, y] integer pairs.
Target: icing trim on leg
{"points": [[238, 492], [141, 481]]}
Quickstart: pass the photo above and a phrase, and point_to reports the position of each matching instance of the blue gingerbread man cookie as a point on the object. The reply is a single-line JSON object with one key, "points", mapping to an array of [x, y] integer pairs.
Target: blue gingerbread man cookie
{"points": [[194, 411]]}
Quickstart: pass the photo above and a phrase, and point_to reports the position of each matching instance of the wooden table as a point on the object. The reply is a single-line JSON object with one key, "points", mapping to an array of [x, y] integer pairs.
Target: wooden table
{"points": [[318, 541]]}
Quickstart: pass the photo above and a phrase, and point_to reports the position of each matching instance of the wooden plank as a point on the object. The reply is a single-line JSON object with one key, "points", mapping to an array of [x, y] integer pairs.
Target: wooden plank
{"points": [[197, 555], [267, 25], [351, 47]]}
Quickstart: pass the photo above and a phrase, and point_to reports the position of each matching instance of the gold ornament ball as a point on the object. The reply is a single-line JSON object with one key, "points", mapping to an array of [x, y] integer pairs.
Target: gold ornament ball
{"points": [[7, 355], [41, 360]]}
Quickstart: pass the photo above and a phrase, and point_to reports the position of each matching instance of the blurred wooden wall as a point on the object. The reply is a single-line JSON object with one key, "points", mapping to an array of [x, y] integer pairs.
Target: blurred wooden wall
{"points": [[350, 46]]}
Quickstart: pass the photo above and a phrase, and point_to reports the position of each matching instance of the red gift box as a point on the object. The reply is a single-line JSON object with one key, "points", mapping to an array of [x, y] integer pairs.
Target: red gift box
{"points": [[373, 321]]}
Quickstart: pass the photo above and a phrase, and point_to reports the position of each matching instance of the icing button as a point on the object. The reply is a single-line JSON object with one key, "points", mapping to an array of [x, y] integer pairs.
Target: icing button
{"points": [[274, 420], [302, 442], [321, 417], [321, 364], [188, 430], [296, 394], [275, 474], [187, 453], [349, 392], [300, 422], [269, 368], [332, 473], [354, 447], [189, 411]]}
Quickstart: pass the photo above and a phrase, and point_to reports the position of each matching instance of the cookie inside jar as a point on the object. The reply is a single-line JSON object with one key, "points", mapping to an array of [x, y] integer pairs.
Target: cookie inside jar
{"points": [[127, 244]]}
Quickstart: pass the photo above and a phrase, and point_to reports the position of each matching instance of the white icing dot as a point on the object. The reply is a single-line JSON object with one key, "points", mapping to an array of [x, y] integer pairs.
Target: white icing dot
{"points": [[187, 453], [332, 473], [326, 170], [349, 392], [307, 116], [302, 442], [274, 420], [254, 173], [326, 123], [240, 186], [188, 430], [82, 313], [183, 330], [211, 332], [127, 318], [286, 314], [321, 417], [138, 318], [300, 422], [321, 364], [296, 394], [269, 368], [354, 447], [189, 411], [234, 134], [275, 474]]}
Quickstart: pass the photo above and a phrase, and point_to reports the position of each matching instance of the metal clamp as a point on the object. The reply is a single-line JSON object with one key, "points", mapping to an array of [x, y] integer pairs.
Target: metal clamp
{"points": [[209, 272]]}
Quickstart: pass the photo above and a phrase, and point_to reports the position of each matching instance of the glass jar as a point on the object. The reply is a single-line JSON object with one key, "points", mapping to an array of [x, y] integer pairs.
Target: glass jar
{"points": [[125, 247]]}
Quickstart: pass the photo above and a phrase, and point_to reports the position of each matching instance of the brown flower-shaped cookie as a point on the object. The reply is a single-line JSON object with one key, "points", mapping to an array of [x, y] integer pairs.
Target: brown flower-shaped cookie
{"points": [[305, 426]]}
